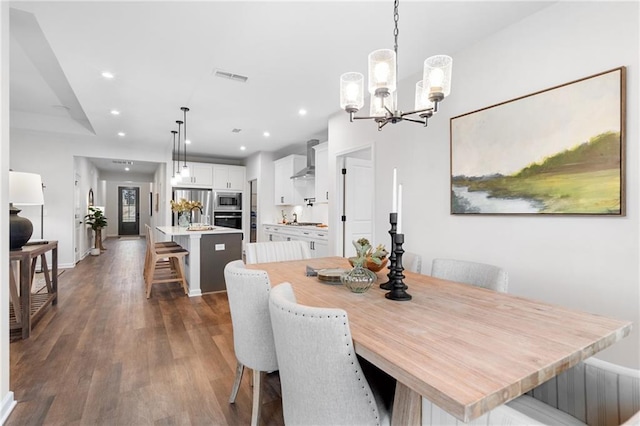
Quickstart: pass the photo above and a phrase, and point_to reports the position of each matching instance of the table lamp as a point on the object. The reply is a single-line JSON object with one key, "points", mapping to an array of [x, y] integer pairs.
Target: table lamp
{"points": [[24, 189]]}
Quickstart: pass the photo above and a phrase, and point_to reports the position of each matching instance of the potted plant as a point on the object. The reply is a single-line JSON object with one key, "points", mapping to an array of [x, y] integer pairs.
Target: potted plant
{"points": [[361, 277], [96, 220], [184, 208]]}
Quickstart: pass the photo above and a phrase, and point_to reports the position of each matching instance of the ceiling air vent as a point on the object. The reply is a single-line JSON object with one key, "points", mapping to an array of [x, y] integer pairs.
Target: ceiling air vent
{"points": [[236, 130], [128, 163], [230, 76]]}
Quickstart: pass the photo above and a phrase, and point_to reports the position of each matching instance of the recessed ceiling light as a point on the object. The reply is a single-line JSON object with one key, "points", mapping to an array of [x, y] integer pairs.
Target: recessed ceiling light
{"points": [[115, 112], [243, 148], [302, 111], [108, 75], [126, 169], [187, 141], [121, 134], [266, 134]]}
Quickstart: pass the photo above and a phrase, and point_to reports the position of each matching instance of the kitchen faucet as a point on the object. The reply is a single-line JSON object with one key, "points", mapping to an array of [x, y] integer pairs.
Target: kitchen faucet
{"points": [[295, 217]]}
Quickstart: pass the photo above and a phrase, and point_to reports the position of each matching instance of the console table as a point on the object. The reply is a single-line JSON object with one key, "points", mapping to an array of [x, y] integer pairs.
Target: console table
{"points": [[25, 307]]}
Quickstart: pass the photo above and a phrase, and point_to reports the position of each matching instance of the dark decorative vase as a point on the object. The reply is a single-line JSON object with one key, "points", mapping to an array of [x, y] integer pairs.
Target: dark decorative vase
{"points": [[20, 229]]}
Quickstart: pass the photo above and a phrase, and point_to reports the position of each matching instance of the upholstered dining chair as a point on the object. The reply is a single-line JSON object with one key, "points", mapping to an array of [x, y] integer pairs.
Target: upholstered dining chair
{"points": [[322, 381], [412, 262], [478, 274], [276, 251], [592, 392], [248, 293]]}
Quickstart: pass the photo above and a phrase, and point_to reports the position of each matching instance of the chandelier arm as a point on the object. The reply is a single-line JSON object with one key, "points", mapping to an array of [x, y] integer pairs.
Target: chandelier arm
{"points": [[366, 118], [413, 120], [418, 111]]}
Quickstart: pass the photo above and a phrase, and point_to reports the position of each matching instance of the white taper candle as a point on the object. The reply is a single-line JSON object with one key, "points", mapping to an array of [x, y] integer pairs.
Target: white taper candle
{"points": [[394, 204], [399, 226]]}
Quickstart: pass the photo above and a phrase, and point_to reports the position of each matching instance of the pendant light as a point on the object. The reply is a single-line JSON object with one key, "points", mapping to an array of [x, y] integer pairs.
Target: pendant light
{"points": [[383, 72], [178, 173], [174, 179], [185, 168]]}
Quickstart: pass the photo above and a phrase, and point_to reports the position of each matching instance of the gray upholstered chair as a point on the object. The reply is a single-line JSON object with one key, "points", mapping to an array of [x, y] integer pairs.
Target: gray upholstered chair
{"points": [[248, 293], [478, 274], [322, 381], [412, 262], [276, 251], [594, 393]]}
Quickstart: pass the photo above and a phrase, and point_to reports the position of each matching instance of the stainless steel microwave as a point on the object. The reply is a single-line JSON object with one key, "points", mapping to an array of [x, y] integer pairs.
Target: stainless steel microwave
{"points": [[228, 201]]}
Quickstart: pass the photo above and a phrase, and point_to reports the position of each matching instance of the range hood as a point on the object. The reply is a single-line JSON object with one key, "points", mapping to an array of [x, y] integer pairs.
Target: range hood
{"points": [[310, 170]]}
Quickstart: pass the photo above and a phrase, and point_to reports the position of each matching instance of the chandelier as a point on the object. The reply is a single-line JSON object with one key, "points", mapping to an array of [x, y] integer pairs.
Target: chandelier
{"points": [[383, 71]]}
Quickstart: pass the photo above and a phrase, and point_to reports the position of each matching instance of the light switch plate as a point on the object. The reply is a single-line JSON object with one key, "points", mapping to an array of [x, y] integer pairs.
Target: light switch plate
{"points": [[219, 247]]}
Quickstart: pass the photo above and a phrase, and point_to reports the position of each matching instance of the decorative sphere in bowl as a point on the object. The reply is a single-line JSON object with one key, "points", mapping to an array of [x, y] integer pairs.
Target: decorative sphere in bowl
{"points": [[372, 266]]}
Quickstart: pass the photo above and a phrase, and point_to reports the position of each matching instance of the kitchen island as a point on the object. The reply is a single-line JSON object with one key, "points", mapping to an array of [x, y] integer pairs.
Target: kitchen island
{"points": [[209, 251]]}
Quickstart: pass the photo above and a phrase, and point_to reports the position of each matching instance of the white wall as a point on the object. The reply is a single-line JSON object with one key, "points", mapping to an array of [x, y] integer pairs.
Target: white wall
{"points": [[52, 156], [7, 401], [588, 263]]}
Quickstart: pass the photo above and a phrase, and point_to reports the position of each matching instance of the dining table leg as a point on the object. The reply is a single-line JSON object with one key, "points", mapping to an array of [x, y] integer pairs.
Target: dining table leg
{"points": [[407, 407]]}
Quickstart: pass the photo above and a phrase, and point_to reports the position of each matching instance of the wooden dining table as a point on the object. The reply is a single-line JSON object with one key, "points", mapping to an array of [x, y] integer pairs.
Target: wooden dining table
{"points": [[464, 348]]}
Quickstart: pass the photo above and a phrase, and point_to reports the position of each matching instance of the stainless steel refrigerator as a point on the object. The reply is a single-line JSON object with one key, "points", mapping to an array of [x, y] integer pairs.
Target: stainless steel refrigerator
{"points": [[205, 196]]}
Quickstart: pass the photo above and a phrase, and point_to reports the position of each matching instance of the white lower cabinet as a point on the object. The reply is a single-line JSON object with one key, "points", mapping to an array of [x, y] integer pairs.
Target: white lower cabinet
{"points": [[318, 241]]}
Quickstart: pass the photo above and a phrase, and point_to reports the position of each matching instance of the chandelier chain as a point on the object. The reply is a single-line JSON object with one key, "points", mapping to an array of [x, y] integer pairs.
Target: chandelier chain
{"points": [[396, 17]]}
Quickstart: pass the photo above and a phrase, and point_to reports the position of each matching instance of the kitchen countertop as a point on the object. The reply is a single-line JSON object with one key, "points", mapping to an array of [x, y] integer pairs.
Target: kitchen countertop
{"points": [[305, 227], [179, 230]]}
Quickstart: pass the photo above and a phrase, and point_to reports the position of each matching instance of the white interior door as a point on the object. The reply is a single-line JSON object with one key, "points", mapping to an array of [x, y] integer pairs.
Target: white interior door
{"points": [[358, 202], [78, 219]]}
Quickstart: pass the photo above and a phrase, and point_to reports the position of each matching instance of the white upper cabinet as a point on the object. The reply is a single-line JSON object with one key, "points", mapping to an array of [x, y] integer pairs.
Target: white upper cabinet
{"points": [[227, 177], [200, 175], [289, 191], [322, 173]]}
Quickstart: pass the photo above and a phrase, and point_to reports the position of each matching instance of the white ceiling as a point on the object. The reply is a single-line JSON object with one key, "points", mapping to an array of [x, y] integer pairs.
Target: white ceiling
{"points": [[163, 55]]}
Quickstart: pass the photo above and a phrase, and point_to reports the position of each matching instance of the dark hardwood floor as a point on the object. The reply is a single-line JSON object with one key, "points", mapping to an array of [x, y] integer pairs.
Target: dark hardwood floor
{"points": [[106, 355]]}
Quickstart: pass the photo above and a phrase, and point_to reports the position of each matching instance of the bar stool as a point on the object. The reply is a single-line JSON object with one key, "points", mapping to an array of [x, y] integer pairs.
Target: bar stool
{"points": [[150, 240], [163, 263]]}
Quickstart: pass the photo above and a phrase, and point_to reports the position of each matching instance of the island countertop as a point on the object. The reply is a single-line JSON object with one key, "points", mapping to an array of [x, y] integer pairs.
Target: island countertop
{"points": [[180, 230]]}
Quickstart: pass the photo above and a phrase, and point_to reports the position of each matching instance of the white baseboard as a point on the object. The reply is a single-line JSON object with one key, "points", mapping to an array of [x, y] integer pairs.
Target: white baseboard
{"points": [[6, 406]]}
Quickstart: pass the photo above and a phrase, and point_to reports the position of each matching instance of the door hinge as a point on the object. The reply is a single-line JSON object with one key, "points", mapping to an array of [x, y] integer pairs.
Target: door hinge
{"points": [[344, 171], [344, 218]]}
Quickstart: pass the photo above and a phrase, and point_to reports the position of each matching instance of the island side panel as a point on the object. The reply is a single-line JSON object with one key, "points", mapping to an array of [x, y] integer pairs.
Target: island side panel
{"points": [[216, 250], [191, 262]]}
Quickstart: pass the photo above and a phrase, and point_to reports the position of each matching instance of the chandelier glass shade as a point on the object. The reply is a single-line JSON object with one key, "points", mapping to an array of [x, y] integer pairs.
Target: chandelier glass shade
{"points": [[382, 87]]}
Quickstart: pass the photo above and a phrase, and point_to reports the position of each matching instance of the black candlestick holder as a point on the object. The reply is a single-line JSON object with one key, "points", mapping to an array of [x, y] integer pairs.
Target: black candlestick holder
{"points": [[398, 289], [393, 220]]}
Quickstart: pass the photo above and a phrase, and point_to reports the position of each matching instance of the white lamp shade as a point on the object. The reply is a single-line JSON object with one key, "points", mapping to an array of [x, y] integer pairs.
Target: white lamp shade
{"points": [[437, 74], [351, 91], [382, 71], [422, 97], [185, 171], [25, 189], [377, 105]]}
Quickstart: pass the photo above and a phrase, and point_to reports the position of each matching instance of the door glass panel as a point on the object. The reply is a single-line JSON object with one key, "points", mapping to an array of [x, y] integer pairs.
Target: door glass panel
{"points": [[128, 204]]}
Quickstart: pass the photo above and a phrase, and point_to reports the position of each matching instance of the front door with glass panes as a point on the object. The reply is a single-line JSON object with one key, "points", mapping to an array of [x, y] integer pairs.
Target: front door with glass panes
{"points": [[128, 211]]}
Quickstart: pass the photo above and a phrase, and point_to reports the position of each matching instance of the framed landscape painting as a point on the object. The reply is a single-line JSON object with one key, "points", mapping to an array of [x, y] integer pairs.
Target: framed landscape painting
{"points": [[559, 151]]}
